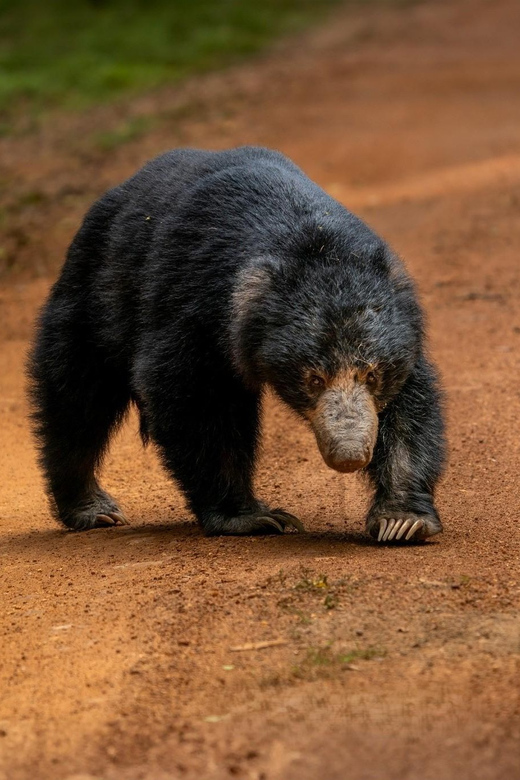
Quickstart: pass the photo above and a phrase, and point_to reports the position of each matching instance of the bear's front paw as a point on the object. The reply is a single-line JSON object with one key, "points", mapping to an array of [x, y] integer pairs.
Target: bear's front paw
{"points": [[261, 521], [402, 526]]}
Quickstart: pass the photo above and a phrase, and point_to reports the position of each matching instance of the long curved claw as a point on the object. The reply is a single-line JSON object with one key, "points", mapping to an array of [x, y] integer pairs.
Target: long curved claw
{"points": [[415, 527], [105, 520], [397, 525], [287, 519], [403, 528], [266, 521], [390, 527], [119, 518], [382, 528]]}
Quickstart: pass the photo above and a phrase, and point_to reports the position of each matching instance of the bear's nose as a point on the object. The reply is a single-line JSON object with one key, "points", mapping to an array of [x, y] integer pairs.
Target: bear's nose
{"points": [[347, 466]]}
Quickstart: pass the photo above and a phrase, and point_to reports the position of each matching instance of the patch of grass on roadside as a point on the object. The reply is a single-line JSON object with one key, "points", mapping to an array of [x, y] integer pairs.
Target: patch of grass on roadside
{"points": [[66, 54], [306, 591], [310, 584], [321, 663]]}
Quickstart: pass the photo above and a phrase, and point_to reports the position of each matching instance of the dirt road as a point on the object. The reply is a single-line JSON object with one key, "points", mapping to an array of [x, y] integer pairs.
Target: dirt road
{"points": [[118, 647]]}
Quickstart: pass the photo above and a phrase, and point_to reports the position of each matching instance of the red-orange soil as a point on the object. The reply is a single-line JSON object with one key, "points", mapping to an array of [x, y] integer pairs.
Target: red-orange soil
{"points": [[116, 659]]}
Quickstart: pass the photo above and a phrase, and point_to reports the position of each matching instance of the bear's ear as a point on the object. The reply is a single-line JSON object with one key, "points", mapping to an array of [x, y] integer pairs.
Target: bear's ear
{"points": [[251, 287], [268, 263], [252, 283]]}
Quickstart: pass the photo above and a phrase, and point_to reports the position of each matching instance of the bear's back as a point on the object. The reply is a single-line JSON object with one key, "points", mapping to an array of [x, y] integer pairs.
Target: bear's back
{"points": [[172, 177]]}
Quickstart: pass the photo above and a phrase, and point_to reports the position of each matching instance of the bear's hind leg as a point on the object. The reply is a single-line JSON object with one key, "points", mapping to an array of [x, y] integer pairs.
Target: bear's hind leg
{"points": [[78, 401]]}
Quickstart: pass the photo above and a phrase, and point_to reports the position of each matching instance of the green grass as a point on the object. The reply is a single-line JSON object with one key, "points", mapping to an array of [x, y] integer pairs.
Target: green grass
{"points": [[73, 53], [323, 662], [320, 663], [129, 130]]}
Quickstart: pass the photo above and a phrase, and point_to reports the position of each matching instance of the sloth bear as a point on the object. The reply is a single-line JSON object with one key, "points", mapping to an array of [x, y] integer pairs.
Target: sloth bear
{"points": [[191, 286]]}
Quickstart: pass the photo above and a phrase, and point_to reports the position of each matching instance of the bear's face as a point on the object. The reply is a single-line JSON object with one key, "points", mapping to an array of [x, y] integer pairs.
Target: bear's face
{"points": [[338, 389], [344, 416], [336, 343]]}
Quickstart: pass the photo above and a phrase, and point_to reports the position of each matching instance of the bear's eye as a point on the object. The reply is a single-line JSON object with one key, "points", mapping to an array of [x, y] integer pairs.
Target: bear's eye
{"points": [[316, 382], [371, 379]]}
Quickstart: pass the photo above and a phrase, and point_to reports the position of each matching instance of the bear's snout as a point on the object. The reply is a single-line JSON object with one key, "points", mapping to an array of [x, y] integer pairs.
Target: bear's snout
{"points": [[348, 466], [345, 424]]}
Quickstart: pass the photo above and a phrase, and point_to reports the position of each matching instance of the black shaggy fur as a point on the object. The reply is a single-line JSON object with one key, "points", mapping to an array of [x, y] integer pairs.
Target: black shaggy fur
{"points": [[187, 288]]}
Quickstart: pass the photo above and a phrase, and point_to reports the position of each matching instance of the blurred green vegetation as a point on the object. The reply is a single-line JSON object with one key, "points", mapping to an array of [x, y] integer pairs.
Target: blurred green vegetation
{"points": [[72, 53]]}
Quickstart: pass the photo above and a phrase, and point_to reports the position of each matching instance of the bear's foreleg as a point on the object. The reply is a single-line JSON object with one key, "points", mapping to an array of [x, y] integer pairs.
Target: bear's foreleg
{"points": [[208, 441], [407, 461]]}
